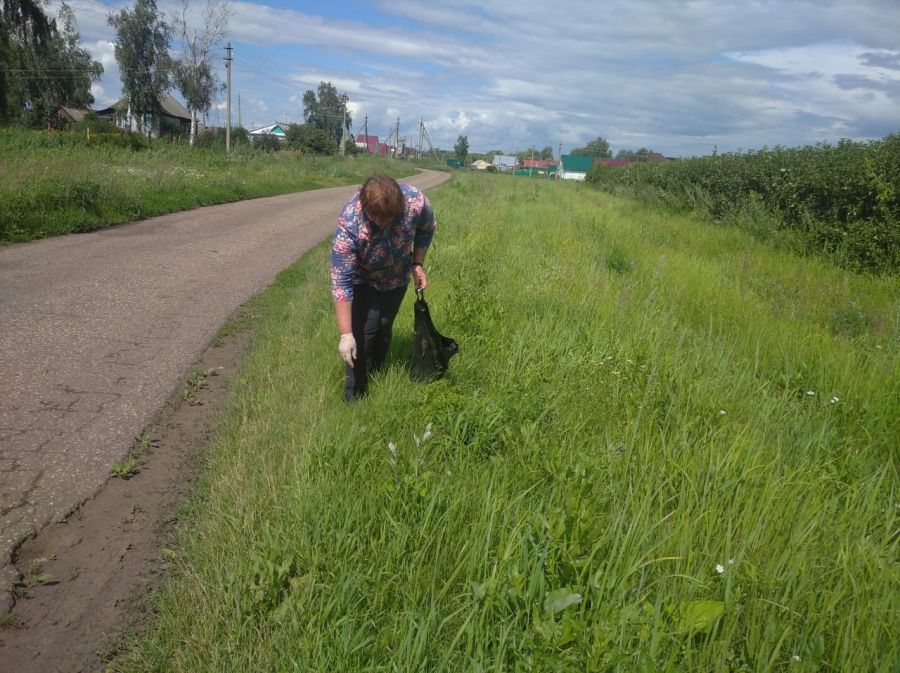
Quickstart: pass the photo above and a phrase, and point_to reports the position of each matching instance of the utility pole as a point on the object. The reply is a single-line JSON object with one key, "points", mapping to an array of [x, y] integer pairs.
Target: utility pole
{"points": [[343, 148], [427, 139], [421, 133], [366, 133], [240, 124], [228, 60]]}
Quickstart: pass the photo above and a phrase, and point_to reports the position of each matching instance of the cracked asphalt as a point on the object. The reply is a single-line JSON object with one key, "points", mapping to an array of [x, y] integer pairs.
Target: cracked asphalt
{"points": [[98, 329]]}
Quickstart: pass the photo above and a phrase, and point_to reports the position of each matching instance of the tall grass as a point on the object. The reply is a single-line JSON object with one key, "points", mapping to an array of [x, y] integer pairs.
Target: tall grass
{"points": [[58, 183], [663, 447]]}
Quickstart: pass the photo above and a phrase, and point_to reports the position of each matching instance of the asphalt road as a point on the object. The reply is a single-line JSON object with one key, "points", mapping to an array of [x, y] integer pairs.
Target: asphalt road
{"points": [[98, 329]]}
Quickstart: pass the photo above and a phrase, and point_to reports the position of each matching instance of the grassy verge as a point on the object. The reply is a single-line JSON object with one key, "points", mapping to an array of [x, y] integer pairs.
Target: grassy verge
{"points": [[663, 447], [54, 184]]}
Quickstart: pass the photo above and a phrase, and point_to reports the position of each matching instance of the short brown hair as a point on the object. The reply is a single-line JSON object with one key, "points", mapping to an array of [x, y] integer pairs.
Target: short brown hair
{"points": [[381, 198]]}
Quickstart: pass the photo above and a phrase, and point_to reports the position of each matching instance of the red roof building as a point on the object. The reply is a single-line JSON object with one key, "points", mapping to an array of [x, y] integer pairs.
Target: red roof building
{"points": [[537, 163], [370, 144], [614, 163]]}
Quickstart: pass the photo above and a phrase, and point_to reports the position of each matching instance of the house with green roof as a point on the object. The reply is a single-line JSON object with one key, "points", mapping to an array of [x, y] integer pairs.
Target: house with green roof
{"points": [[276, 130], [574, 167]]}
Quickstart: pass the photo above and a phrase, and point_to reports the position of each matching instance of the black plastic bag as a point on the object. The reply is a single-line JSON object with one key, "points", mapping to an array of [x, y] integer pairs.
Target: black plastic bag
{"points": [[431, 351]]}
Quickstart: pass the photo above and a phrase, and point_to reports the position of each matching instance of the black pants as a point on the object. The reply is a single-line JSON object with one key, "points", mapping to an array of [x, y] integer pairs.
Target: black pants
{"points": [[373, 314]]}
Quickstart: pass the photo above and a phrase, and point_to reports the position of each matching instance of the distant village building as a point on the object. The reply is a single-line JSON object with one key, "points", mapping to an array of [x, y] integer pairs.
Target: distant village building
{"points": [[480, 165], [370, 145], [614, 163], [173, 112], [620, 163], [70, 115], [504, 162], [534, 167], [574, 167], [276, 130]]}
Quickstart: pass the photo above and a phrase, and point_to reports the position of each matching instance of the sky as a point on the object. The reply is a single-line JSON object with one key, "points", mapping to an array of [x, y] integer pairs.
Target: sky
{"points": [[680, 77]]}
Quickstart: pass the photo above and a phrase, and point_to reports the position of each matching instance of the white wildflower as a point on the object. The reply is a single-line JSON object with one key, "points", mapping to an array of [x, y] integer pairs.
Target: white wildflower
{"points": [[796, 657], [722, 412], [835, 399], [720, 568], [427, 434], [394, 455], [811, 393], [731, 561]]}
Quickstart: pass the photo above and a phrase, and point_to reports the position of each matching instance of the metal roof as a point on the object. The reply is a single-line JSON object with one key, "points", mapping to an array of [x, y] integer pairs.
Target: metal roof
{"points": [[272, 129], [576, 164]]}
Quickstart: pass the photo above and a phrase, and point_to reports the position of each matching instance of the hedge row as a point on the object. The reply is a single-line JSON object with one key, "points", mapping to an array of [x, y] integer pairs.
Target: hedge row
{"points": [[842, 200]]}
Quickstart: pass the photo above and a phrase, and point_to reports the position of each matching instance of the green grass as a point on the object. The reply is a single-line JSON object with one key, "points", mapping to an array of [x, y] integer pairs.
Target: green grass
{"points": [[54, 183], [640, 402]]}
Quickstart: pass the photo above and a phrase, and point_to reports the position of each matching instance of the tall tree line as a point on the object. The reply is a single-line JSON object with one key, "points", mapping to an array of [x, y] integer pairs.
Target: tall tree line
{"points": [[148, 70], [42, 65]]}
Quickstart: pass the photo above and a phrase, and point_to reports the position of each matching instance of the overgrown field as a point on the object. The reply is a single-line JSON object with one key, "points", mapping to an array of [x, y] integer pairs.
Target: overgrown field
{"points": [[663, 447], [58, 183], [840, 200]]}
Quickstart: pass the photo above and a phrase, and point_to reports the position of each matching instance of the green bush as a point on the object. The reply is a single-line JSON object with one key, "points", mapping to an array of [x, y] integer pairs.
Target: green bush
{"points": [[843, 200], [310, 139], [94, 124]]}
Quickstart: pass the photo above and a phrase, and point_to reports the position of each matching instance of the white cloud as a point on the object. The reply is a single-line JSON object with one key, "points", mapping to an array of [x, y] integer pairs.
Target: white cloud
{"points": [[677, 77]]}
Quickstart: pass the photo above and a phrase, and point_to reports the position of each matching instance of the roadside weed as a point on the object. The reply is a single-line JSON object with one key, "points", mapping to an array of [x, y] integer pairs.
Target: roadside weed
{"points": [[194, 384], [125, 469]]}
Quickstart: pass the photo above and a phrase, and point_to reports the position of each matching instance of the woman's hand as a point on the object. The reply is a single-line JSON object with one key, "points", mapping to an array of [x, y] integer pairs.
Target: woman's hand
{"points": [[419, 278], [347, 348]]}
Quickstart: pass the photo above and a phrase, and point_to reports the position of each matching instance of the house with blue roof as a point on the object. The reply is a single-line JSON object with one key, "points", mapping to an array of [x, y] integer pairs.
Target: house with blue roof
{"points": [[504, 162]]}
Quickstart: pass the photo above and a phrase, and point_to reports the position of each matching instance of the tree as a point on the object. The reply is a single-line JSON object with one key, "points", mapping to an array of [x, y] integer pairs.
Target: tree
{"points": [[597, 148], [142, 52], [65, 55], [634, 155], [41, 63], [193, 73], [461, 148], [547, 153], [327, 110], [530, 153], [22, 24], [310, 139]]}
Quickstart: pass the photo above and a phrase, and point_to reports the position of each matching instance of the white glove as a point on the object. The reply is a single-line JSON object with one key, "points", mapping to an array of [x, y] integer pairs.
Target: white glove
{"points": [[347, 348]]}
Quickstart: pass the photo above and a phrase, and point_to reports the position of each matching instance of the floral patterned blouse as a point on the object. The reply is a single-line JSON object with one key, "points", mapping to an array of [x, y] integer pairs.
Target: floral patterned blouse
{"points": [[365, 254]]}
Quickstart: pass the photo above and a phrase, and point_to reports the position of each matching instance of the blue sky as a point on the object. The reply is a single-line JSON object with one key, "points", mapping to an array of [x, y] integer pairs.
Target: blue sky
{"points": [[679, 77]]}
